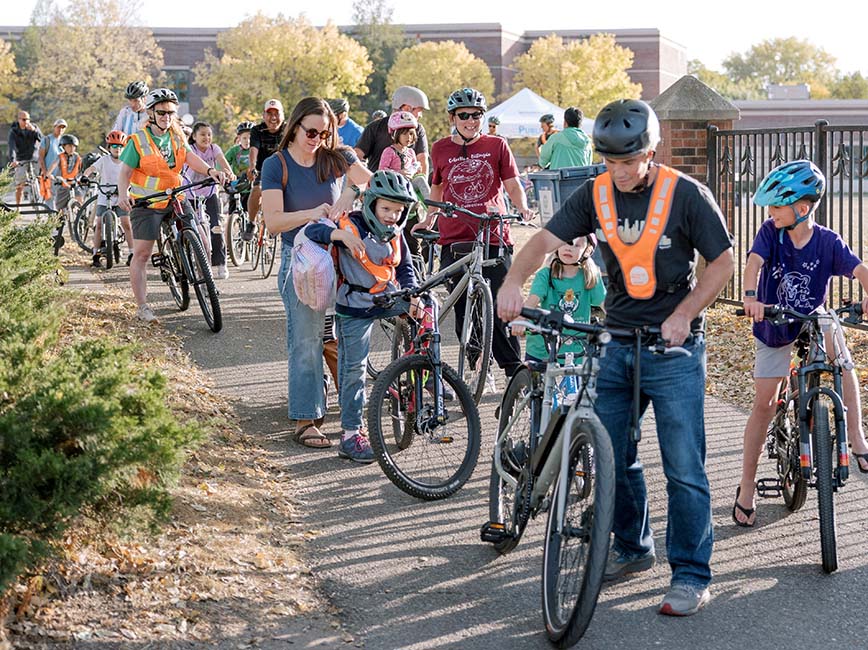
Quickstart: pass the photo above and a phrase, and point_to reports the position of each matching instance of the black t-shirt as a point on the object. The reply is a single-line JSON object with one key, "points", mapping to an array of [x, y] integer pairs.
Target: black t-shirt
{"points": [[265, 141], [375, 139], [695, 225]]}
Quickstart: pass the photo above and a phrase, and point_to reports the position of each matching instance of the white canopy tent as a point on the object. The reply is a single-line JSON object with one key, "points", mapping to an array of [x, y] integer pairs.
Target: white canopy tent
{"points": [[519, 115]]}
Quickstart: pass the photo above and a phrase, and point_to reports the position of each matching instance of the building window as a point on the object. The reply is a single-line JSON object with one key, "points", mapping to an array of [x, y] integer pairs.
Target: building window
{"points": [[179, 81]]}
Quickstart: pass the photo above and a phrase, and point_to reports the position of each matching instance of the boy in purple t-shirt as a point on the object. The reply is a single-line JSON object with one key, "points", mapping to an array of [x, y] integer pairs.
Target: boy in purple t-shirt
{"points": [[794, 259]]}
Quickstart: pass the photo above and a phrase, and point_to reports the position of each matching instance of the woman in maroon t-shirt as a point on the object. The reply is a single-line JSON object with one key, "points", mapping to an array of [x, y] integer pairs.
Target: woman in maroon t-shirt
{"points": [[472, 170]]}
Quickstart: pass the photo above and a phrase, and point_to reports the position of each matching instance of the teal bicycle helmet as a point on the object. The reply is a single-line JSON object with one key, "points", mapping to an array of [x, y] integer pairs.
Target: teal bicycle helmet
{"points": [[787, 183], [466, 98], [392, 186]]}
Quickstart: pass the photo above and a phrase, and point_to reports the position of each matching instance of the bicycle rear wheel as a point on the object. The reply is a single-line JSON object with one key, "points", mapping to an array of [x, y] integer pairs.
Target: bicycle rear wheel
{"points": [[171, 270], [267, 254], [474, 355], [238, 248], [510, 505], [576, 545], [82, 230], [822, 440], [424, 458], [199, 272], [256, 246]]}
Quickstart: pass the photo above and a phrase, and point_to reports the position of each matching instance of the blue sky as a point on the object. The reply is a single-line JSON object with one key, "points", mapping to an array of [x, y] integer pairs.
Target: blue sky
{"points": [[708, 34]]}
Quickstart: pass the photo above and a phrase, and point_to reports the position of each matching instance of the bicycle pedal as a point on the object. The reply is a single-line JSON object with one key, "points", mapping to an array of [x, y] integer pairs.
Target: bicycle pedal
{"points": [[494, 532], [769, 488], [158, 260]]}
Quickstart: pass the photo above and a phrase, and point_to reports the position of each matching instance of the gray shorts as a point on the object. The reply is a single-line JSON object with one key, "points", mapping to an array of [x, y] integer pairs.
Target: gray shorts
{"points": [[101, 210], [772, 362], [146, 221], [21, 173]]}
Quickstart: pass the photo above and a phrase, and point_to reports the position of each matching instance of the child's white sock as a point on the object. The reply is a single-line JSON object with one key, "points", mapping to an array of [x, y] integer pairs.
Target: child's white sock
{"points": [[349, 433]]}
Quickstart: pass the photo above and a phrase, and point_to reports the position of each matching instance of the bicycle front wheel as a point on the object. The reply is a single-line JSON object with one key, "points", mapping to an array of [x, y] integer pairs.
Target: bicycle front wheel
{"points": [[256, 245], [577, 542], [267, 255], [510, 505], [474, 350], [821, 434], [793, 487], [108, 237], [171, 270], [238, 248], [425, 457], [199, 272], [82, 230]]}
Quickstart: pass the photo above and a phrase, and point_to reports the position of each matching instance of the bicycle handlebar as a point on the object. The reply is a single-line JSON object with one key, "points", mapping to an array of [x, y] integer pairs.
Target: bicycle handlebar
{"points": [[778, 315], [449, 210], [144, 200]]}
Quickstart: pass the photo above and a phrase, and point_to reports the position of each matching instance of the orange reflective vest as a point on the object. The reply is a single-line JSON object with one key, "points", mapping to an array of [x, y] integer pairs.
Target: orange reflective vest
{"points": [[383, 273], [69, 165], [153, 173], [637, 259]]}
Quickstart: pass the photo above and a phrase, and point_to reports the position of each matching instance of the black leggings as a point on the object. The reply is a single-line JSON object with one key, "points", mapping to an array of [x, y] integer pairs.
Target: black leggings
{"points": [[506, 349]]}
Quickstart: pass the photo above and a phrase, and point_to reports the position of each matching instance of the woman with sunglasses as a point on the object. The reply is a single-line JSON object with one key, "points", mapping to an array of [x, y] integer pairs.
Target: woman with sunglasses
{"points": [[472, 169], [152, 161], [309, 178]]}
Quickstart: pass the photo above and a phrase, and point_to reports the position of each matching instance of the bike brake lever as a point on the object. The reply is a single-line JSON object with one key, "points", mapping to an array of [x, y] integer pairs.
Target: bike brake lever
{"points": [[659, 348]]}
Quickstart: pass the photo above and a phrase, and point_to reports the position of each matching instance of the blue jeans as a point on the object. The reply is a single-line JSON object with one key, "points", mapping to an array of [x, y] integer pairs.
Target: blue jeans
{"points": [[676, 387], [354, 344], [304, 330]]}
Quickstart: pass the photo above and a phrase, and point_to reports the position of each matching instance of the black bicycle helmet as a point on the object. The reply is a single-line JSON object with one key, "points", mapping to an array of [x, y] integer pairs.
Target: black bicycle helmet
{"points": [[339, 106], [68, 138], [390, 185], [626, 127], [466, 98], [160, 95], [136, 89], [548, 118], [244, 127], [494, 120]]}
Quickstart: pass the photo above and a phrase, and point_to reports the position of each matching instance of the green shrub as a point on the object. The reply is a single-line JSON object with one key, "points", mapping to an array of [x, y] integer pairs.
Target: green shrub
{"points": [[82, 424]]}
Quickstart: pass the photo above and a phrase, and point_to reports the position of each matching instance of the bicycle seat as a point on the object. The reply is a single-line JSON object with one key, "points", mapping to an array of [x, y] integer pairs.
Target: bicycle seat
{"points": [[427, 235]]}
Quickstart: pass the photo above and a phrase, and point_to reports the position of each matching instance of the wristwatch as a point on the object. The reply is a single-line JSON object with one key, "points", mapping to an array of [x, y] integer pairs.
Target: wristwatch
{"points": [[750, 293]]}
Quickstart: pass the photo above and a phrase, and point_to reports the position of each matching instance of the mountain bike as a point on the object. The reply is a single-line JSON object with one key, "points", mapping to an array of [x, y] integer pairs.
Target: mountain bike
{"points": [[181, 259], [31, 197], [263, 249], [112, 235], [85, 217], [426, 449], [474, 341], [554, 455], [239, 250], [809, 452], [66, 214]]}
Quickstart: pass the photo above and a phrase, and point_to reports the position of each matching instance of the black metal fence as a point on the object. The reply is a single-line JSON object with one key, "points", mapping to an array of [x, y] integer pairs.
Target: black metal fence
{"points": [[738, 161]]}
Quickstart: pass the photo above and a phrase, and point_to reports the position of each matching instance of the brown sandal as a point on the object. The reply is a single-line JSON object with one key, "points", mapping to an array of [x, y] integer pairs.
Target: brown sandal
{"points": [[310, 436]]}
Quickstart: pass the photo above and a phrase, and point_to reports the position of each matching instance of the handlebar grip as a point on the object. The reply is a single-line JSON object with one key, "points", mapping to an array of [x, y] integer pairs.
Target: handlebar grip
{"points": [[740, 312]]}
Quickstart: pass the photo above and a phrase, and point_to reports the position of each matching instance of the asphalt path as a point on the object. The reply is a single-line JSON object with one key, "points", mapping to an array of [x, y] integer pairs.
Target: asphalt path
{"points": [[414, 575]]}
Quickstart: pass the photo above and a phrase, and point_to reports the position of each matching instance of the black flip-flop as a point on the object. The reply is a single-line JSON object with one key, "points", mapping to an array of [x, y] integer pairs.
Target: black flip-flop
{"points": [[747, 512]]}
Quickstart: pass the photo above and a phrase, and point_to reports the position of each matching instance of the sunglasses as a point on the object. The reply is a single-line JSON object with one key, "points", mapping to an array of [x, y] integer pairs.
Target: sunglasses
{"points": [[116, 146], [164, 113], [469, 116], [314, 133]]}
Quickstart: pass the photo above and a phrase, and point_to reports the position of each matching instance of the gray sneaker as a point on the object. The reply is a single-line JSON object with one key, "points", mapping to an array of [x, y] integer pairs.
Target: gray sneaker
{"points": [[146, 314], [684, 600], [618, 564]]}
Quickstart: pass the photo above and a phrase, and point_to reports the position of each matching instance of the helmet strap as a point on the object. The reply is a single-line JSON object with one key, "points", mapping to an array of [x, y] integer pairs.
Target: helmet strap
{"points": [[466, 141]]}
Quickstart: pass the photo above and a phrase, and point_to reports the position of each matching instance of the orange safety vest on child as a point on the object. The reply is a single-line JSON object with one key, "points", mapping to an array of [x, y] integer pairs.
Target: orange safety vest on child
{"points": [[69, 166], [383, 273], [637, 259], [153, 173]]}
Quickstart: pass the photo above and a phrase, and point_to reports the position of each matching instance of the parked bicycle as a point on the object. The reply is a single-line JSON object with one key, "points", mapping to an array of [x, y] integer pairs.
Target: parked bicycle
{"points": [[426, 449], [181, 258], [808, 449]]}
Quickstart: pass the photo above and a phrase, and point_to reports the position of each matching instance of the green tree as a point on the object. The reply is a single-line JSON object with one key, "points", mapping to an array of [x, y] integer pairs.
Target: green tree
{"points": [[9, 82], [277, 57], [588, 73], [851, 86], [785, 61], [439, 69], [744, 89], [77, 60], [374, 30]]}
